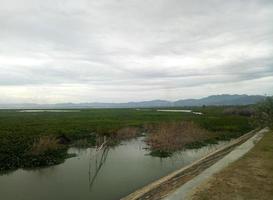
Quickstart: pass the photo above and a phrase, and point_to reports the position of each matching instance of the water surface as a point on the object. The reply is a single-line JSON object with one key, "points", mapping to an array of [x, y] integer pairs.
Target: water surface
{"points": [[105, 175]]}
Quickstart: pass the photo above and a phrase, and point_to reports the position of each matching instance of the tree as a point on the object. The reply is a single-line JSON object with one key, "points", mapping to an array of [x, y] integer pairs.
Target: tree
{"points": [[264, 113]]}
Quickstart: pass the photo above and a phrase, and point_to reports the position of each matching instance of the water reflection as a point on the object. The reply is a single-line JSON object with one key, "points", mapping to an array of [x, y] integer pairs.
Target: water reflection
{"points": [[100, 159]]}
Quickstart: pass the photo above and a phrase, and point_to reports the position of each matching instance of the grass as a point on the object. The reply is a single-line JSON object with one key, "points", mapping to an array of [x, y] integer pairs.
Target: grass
{"points": [[20, 130], [251, 177]]}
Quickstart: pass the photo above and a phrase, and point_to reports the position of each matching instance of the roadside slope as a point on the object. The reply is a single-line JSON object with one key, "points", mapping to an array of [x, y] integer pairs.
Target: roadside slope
{"points": [[172, 185], [251, 177]]}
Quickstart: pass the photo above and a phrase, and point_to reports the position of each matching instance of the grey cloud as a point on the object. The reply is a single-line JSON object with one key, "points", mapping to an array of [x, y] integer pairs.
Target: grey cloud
{"points": [[130, 46]]}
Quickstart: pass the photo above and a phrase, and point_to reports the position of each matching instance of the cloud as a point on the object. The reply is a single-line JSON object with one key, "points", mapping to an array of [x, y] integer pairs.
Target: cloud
{"points": [[119, 50]]}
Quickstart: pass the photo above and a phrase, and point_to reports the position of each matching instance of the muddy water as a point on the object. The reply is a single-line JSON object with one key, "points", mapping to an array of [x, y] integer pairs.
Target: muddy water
{"points": [[109, 174]]}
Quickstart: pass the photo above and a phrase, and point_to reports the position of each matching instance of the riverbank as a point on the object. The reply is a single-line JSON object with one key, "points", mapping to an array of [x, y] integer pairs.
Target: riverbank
{"points": [[249, 178], [166, 185]]}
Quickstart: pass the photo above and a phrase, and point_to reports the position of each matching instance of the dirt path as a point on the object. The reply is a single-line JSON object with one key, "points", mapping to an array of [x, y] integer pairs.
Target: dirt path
{"points": [[166, 185]]}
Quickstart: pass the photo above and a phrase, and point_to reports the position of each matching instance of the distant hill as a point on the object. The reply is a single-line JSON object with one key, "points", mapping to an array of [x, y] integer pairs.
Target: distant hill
{"points": [[224, 99], [217, 100]]}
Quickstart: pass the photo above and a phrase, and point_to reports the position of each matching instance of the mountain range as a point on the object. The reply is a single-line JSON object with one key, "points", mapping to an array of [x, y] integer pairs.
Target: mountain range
{"points": [[217, 100]]}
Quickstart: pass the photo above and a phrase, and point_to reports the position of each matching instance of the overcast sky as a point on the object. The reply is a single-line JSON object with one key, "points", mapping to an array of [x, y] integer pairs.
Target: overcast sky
{"points": [[54, 51]]}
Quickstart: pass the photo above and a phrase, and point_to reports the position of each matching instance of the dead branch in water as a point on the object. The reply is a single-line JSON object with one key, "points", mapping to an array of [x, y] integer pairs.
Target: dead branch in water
{"points": [[99, 162]]}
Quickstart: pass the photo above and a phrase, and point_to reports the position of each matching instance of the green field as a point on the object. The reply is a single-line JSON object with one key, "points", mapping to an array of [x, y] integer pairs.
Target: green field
{"points": [[18, 130]]}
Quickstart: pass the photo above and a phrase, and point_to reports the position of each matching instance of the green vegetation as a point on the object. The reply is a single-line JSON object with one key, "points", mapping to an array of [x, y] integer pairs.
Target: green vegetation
{"points": [[20, 131], [249, 178]]}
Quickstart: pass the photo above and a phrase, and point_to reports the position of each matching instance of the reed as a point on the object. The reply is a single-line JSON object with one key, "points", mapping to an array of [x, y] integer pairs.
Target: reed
{"points": [[127, 133], [45, 144], [174, 136]]}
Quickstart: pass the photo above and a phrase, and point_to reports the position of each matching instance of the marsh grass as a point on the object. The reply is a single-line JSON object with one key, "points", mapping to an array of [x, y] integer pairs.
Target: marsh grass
{"points": [[174, 136], [45, 144], [127, 133], [46, 150]]}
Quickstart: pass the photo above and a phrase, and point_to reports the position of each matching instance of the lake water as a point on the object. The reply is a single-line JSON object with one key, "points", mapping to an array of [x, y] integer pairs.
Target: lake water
{"points": [[106, 175]]}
